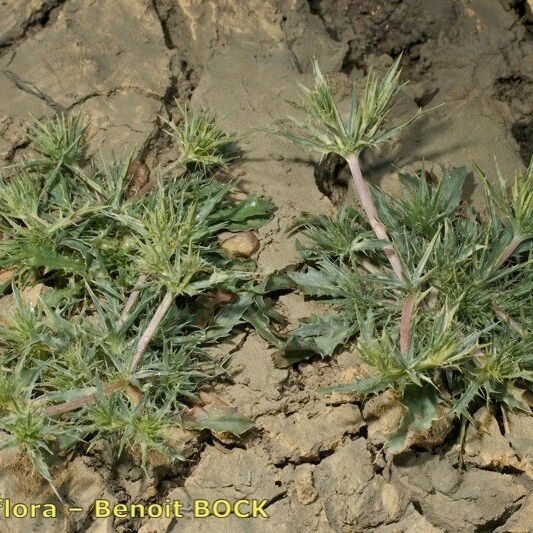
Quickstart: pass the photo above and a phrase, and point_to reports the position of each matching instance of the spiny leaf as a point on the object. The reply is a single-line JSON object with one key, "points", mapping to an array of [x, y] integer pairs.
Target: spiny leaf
{"points": [[318, 335], [218, 418], [421, 410]]}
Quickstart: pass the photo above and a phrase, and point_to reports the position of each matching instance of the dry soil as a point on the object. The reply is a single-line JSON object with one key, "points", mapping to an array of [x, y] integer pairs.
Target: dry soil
{"points": [[318, 460]]}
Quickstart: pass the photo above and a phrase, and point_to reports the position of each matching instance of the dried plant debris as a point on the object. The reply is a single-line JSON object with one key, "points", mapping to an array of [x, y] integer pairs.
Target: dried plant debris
{"points": [[114, 347], [437, 298]]}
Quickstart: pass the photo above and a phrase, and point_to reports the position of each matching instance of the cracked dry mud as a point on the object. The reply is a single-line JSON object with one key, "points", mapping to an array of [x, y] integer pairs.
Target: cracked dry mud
{"points": [[318, 460]]}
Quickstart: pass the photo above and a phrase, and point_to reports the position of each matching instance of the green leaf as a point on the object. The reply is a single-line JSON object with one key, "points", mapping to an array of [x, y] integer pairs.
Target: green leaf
{"points": [[460, 407], [106, 253], [451, 187], [421, 404], [273, 283], [219, 420], [50, 260], [65, 295], [315, 282], [257, 317], [251, 213], [319, 335], [513, 397]]}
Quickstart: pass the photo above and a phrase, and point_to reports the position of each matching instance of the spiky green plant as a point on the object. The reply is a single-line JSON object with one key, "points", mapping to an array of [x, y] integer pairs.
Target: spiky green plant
{"points": [[515, 206], [199, 139], [451, 322], [327, 131], [109, 350], [457, 330], [59, 142]]}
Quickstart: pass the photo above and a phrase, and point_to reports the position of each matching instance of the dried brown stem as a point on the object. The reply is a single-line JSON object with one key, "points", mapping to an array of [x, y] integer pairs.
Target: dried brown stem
{"points": [[367, 202]]}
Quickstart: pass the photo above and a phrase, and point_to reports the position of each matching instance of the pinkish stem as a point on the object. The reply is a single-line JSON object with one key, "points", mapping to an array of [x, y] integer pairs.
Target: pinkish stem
{"points": [[367, 202], [369, 267], [110, 388], [80, 401], [405, 323], [150, 330]]}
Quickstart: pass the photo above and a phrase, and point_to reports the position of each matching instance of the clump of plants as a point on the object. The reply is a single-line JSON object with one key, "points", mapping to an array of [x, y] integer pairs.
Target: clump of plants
{"points": [[437, 297], [132, 290]]}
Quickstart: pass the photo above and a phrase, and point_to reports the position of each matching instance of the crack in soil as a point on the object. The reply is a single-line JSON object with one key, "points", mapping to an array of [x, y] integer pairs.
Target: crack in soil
{"points": [[304, 461], [12, 153], [523, 10], [314, 8], [36, 21], [492, 525], [157, 141], [515, 90], [114, 91], [281, 496], [164, 27], [418, 508], [31, 89]]}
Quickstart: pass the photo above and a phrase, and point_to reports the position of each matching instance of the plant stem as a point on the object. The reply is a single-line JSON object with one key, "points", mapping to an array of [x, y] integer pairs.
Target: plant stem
{"points": [[365, 196], [132, 299], [462, 440], [502, 315], [76, 169], [110, 388], [150, 330], [405, 323], [509, 250], [80, 401], [369, 267]]}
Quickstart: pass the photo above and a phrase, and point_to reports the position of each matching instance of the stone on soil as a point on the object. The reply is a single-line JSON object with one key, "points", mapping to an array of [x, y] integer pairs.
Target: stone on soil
{"points": [[519, 431]]}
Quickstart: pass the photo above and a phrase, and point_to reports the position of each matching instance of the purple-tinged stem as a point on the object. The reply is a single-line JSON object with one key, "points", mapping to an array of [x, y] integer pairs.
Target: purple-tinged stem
{"points": [[110, 388], [405, 322], [367, 202], [150, 330], [80, 401], [369, 267]]}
